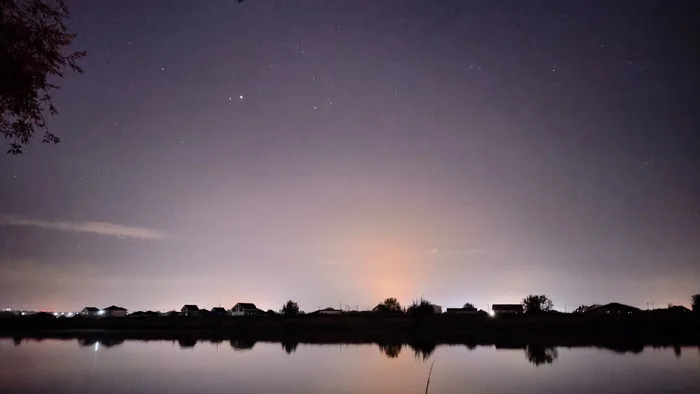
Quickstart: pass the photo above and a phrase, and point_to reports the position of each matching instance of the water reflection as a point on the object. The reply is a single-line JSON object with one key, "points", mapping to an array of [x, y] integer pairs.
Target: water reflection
{"points": [[99, 343], [423, 349], [290, 347], [536, 354], [108, 343], [391, 350], [86, 342], [634, 347], [156, 366], [540, 355], [186, 343], [242, 345], [677, 351]]}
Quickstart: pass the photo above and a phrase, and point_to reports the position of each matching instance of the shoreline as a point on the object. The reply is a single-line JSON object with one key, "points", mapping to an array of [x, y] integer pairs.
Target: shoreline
{"points": [[545, 330]]}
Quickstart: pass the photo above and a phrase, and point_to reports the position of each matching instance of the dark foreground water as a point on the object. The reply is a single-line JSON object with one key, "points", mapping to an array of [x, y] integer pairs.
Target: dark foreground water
{"points": [[72, 366]]}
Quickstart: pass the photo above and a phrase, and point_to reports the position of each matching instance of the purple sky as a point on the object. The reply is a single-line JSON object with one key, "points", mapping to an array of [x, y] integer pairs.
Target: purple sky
{"points": [[346, 151]]}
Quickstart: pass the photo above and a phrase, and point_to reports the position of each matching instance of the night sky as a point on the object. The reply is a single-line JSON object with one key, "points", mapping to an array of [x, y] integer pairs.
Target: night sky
{"points": [[347, 151]]}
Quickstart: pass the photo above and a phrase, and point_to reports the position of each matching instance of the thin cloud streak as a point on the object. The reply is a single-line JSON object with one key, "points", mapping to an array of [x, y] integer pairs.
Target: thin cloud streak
{"points": [[102, 228]]}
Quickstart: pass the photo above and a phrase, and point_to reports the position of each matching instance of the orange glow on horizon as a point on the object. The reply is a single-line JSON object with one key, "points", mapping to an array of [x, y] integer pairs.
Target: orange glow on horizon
{"points": [[390, 268]]}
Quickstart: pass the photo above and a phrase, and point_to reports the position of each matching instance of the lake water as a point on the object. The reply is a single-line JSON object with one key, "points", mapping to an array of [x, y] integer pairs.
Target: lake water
{"points": [[71, 366]]}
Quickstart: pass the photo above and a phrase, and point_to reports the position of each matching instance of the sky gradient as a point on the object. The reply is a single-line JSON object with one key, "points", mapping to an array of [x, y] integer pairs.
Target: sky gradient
{"points": [[345, 151]]}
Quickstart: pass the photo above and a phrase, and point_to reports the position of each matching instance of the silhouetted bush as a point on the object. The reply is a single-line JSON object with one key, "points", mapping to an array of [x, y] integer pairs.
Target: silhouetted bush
{"points": [[537, 303], [421, 308], [389, 305]]}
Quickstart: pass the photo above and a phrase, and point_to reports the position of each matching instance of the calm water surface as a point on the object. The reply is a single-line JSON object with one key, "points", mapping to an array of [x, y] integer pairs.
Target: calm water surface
{"points": [[70, 366]]}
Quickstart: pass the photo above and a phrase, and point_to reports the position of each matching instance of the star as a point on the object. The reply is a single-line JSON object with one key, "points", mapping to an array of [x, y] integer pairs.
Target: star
{"points": [[240, 97], [162, 69]]}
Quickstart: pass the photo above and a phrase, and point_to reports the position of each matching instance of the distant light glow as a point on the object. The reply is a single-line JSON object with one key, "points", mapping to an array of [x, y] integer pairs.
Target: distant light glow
{"points": [[97, 346], [101, 312]]}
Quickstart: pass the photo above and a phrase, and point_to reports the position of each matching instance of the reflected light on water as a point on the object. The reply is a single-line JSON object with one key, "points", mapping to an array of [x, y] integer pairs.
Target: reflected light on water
{"points": [[58, 366]]}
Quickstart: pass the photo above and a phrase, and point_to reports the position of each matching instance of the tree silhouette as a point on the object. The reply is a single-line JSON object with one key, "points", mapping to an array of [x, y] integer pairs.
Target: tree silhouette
{"points": [[537, 303], [390, 304], [33, 38], [696, 303], [290, 308], [469, 305]]}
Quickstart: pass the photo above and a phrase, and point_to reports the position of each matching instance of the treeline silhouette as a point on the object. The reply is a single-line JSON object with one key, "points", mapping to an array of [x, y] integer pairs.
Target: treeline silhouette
{"points": [[549, 329], [389, 324], [422, 317]]}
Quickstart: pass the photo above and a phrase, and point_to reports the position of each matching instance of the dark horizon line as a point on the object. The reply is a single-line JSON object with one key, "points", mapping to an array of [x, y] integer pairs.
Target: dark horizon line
{"points": [[649, 306]]}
